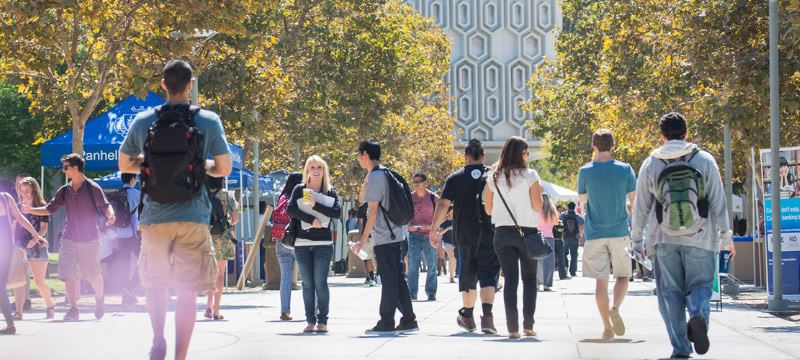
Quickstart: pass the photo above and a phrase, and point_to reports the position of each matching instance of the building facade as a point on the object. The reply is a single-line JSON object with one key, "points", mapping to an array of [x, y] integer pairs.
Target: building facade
{"points": [[496, 46]]}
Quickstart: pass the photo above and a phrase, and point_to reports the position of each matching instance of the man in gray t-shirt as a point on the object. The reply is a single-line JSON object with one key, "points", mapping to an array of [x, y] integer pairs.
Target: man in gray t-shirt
{"points": [[388, 238]]}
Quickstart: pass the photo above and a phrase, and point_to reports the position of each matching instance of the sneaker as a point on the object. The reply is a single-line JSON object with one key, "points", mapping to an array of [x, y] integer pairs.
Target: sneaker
{"points": [[158, 352], [372, 283], [466, 323], [8, 330], [697, 332], [285, 316], [608, 334], [680, 356], [487, 325], [380, 329], [309, 328], [616, 321], [646, 279], [72, 314], [431, 297], [413, 296], [408, 327], [368, 281], [321, 328], [99, 308]]}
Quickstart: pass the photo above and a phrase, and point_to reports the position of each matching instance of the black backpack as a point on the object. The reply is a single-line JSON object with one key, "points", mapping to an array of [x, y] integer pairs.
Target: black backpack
{"points": [[219, 218], [571, 227], [122, 209], [401, 206], [483, 218], [174, 169]]}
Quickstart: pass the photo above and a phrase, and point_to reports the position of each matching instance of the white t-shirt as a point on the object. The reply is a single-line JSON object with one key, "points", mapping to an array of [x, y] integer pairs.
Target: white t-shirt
{"points": [[518, 199]]}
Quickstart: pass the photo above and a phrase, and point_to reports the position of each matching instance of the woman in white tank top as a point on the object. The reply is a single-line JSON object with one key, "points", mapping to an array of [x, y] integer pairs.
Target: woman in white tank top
{"points": [[522, 191]]}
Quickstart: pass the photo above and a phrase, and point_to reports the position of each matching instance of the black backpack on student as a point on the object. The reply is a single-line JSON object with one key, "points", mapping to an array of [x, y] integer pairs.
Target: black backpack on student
{"points": [[571, 227], [219, 218], [174, 169], [484, 219], [122, 209], [401, 206]]}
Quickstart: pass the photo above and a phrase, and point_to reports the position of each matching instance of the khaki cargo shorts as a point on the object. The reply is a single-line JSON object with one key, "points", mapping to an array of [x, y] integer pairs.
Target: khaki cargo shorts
{"points": [[600, 255], [177, 255], [79, 255]]}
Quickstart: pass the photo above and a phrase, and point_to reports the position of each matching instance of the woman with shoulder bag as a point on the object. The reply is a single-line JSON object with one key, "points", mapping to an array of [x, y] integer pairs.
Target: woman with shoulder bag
{"points": [[517, 193], [285, 255], [9, 209], [38, 256], [315, 203]]}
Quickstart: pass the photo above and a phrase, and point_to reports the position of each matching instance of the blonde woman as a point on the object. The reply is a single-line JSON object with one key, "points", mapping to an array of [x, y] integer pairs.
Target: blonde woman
{"points": [[547, 218], [315, 203], [521, 189], [30, 194]]}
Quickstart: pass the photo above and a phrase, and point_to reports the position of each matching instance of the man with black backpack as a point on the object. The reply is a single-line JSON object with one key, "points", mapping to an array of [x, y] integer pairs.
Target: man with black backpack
{"points": [[170, 145], [474, 236], [390, 208], [681, 200], [125, 202], [573, 232]]}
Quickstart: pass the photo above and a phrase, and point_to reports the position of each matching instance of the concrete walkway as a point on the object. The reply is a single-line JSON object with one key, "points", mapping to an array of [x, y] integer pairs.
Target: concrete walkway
{"points": [[566, 320]]}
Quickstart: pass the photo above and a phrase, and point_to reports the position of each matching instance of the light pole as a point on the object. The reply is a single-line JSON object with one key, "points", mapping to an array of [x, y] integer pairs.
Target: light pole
{"points": [[777, 303]]}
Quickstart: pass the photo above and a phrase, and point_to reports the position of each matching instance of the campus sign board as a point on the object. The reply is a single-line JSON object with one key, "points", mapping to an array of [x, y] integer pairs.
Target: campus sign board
{"points": [[790, 218]]}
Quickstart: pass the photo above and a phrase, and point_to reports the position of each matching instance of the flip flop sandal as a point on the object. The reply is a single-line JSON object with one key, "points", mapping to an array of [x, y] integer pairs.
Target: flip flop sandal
{"points": [[208, 314]]}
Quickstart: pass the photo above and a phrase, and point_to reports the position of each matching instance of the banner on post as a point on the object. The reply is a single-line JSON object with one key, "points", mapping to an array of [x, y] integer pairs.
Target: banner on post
{"points": [[789, 187]]}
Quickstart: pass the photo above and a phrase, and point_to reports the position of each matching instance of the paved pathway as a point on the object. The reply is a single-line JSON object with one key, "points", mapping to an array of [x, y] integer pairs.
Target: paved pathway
{"points": [[566, 320]]}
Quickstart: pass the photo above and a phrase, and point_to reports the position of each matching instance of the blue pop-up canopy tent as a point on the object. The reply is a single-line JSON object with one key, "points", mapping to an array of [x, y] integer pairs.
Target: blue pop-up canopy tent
{"points": [[244, 178], [104, 134]]}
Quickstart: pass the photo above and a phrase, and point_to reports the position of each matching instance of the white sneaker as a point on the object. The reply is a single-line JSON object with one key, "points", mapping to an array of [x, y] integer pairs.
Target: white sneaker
{"points": [[378, 280], [372, 283]]}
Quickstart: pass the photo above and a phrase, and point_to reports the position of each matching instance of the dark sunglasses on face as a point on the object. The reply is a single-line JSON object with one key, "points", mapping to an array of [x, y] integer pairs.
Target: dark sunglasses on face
{"points": [[66, 167], [418, 181]]}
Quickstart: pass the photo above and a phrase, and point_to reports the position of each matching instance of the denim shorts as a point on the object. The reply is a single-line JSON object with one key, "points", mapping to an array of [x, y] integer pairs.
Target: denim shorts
{"points": [[37, 253]]}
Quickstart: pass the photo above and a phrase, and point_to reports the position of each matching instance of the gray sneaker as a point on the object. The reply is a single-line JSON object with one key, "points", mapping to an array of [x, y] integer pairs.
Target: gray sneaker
{"points": [[487, 325], [72, 314]]}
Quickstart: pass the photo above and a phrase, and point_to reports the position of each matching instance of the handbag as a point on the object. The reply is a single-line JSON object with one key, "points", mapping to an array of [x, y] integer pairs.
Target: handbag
{"points": [[537, 248], [17, 269], [290, 234], [18, 266]]}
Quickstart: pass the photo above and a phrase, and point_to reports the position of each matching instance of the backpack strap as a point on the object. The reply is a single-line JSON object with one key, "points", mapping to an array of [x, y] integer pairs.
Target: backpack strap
{"points": [[433, 200], [380, 206]]}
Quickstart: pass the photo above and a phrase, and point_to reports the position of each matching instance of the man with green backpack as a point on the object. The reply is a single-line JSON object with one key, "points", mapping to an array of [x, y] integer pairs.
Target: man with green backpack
{"points": [[681, 200]]}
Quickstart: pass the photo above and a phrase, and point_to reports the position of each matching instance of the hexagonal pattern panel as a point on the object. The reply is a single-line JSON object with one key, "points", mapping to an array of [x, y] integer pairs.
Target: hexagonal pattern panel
{"points": [[497, 44]]}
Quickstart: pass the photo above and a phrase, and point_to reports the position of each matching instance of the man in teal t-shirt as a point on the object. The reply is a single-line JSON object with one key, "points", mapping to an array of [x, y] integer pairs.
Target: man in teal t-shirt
{"points": [[602, 186], [176, 244]]}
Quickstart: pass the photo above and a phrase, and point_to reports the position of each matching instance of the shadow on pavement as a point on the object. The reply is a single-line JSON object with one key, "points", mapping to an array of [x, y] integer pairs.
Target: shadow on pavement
{"points": [[781, 329], [614, 341]]}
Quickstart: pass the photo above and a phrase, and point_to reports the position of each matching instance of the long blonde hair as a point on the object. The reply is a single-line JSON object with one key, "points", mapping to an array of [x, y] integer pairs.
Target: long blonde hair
{"points": [[326, 182], [36, 191]]}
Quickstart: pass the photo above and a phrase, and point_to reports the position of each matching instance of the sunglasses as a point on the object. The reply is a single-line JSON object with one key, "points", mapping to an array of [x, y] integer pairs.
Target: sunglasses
{"points": [[66, 167], [418, 181]]}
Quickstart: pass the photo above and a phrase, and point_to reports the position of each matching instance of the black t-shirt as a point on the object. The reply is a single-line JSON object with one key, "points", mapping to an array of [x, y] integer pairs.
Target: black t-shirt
{"points": [[448, 236], [462, 188], [361, 214]]}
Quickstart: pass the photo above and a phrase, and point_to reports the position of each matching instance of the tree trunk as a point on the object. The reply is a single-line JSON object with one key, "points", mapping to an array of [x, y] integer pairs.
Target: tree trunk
{"points": [[78, 127], [748, 188]]}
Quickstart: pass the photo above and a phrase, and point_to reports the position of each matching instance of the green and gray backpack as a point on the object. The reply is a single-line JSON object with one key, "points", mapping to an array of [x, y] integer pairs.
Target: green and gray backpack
{"points": [[682, 204]]}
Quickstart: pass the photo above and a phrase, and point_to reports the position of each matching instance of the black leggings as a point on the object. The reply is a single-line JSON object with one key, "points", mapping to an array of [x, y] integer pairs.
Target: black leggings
{"points": [[5, 263], [513, 256]]}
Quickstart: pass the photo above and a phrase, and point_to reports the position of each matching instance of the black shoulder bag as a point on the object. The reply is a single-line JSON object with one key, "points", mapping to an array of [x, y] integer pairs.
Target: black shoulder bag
{"points": [[537, 248]]}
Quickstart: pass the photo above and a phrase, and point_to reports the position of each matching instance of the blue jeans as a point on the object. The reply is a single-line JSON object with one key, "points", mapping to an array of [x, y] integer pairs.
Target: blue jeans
{"points": [[561, 259], [684, 278], [314, 263], [419, 245], [286, 261], [571, 249], [546, 266]]}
